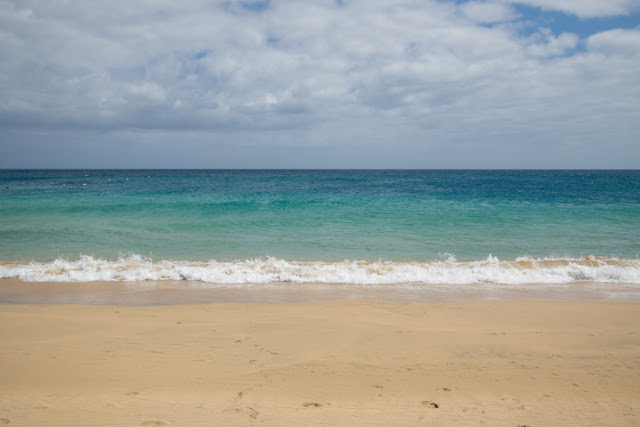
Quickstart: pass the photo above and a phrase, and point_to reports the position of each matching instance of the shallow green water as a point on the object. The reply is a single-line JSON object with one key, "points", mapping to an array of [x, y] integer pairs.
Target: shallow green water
{"points": [[319, 215]]}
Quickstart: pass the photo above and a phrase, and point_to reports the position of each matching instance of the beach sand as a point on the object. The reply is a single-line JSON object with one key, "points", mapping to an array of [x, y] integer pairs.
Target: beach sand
{"points": [[345, 362]]}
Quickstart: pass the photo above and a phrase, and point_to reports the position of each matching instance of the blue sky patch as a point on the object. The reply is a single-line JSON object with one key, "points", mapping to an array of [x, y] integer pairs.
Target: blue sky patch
{"points": [[559, 22], [256, 6], [202, 54]]}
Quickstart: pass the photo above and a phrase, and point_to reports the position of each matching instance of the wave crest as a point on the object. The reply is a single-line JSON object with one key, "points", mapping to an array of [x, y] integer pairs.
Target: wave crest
{"points": [[447, 270]]}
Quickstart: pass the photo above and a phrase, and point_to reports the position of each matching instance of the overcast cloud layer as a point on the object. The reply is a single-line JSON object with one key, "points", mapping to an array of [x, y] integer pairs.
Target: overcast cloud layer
{"points": [[410, 84]]}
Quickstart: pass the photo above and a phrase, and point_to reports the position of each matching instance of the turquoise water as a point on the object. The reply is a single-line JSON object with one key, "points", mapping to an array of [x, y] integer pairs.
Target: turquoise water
{"points": [[393, 217]]}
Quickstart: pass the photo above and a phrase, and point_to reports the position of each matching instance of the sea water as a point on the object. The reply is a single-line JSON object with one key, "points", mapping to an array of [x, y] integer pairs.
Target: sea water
{"points": [[321, 226]]}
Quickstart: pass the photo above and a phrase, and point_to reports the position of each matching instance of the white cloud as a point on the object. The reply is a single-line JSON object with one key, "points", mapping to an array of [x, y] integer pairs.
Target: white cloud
{"points": [[419, 76], [621, 42], [546, 44], [487, 12], [149, 90]]}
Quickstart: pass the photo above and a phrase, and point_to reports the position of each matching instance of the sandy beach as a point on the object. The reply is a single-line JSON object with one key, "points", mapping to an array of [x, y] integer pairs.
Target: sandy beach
{"points": [[344, 362]]}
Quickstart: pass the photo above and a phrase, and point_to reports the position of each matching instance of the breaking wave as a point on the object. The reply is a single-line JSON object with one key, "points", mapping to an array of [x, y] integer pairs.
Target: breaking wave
{"points": [[524, 270]]}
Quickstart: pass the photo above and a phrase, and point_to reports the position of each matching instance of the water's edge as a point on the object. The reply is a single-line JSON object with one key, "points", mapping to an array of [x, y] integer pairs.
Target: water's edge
{"points": [[147, 293]]}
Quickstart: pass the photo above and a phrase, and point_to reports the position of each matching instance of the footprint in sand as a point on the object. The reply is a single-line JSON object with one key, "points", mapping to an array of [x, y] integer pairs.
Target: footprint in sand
{"points": [[244, 411], [133, 393], [429, 403], [242, 393], [4, 421], [154, 423], [313, 405], [261, 348]]}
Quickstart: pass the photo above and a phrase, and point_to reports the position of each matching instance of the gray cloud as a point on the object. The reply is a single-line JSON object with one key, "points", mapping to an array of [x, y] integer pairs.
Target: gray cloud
{"points": [[314, 84]]}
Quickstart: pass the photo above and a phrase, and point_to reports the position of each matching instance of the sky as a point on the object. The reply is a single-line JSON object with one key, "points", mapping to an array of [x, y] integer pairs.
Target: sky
{"points": [[320, 84]]}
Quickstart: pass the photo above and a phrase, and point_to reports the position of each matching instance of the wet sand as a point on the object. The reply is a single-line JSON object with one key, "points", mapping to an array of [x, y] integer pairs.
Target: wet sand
{"points": [[339, 362], [13, 291]]}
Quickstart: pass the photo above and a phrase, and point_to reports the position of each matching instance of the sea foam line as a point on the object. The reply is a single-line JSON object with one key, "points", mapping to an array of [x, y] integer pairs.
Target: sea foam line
{"points": [[522, 270]]}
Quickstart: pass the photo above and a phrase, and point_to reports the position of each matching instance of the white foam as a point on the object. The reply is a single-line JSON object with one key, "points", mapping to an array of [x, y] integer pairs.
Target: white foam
{"points": [[523, 270]]}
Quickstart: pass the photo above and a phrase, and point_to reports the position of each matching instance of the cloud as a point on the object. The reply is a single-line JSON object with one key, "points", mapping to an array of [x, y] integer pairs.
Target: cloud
{"points": [[368, 79], [487, 12], [616, 42], [544, 43]]}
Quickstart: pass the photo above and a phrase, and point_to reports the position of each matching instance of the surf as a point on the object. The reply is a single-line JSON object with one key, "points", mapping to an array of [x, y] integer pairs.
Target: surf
{"points": [[447, 270]]}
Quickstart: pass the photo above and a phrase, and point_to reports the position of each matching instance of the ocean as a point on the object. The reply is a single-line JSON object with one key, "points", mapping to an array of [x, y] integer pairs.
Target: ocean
{"points": [[321, 226]]}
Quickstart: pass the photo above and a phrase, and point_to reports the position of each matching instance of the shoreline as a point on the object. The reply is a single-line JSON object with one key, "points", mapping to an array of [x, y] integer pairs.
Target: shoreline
{"points": [[343, 362], [145, 293], [522, 270]]}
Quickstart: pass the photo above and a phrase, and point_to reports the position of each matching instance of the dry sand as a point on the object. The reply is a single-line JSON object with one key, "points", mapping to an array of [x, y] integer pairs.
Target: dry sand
{"points": [[507, 363]]}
